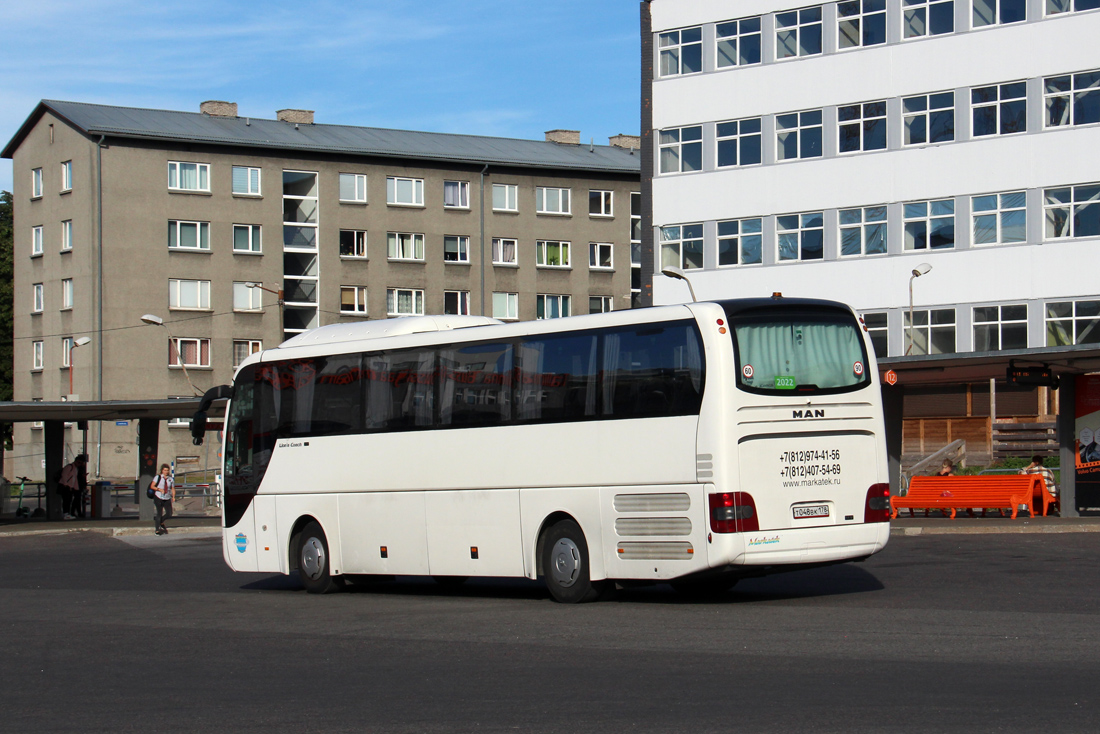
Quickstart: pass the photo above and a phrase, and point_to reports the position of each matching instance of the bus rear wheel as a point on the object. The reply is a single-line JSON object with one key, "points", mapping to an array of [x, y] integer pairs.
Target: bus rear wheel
{"points": [[565, 566], [313, 561]]}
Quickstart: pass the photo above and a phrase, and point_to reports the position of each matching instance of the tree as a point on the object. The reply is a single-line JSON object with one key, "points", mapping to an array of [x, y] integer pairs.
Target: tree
{"points": [[6, 304]]}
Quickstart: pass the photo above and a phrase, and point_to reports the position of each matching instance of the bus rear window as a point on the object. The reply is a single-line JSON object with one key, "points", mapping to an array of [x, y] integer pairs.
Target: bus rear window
{"points": [[783, 352]]}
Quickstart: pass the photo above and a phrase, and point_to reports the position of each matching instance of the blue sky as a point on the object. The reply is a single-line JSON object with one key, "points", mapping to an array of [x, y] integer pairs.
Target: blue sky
{"points": [[488, 67]]}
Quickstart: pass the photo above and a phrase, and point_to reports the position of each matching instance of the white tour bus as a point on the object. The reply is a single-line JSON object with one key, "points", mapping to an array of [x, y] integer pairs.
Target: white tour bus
{"points": [[695, 444]]}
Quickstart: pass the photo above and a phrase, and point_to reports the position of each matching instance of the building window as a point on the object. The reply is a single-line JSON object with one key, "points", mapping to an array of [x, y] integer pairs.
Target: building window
{"points": [[551, 307], [36, 240], [456, 303], [36, 183], [999, 218], [862, 127], [504, 251], [601, 304], [506, 306], [682, 246], [188, 352], [635, 228], [1073, 211], [681, 149], [681, 51], [739, 242], [404, 302], [798, 135], [188, 176], [188, 235], [244, 348], [878, 332], [353, 188], [929, 118], [1054, 7], [1073, 99], [67, 176], [456, 194], [300, 210], [551, 254], [66, 294], [928, 17], [1000, 327], [353, 299], [599, 256], [932, 331], [930, 225], [505, 197], [738, 142], [863, 231], [551, 200], [38, 355], [992, 12], [801, 236], [405, 246], [738, 42], [66, 352], [244, 298], [246, 238], [39, 298], [861, 23], [600, 203], [404, 191], [1000, 109], [246, 180], [191, 294], [798, 33], [1073, 322], [67, 235], [353, 243], [456, 249]]}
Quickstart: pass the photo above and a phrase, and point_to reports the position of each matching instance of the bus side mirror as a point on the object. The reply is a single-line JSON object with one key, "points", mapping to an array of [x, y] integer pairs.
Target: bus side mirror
{"points": [[198, 427]]}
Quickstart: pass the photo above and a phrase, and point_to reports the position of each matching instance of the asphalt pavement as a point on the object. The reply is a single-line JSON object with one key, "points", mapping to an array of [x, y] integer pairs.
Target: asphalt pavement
{"points": [[945, 633]]}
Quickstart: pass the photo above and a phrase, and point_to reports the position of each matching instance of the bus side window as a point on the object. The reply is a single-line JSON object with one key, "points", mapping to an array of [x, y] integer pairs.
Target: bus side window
{"points": [[652, 371], [475, 383], [401, 391], [556, 378], [338, 397]]}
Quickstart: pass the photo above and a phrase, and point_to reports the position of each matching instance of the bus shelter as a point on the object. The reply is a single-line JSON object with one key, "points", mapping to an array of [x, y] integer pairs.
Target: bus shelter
{"points": [[1055, 367]]}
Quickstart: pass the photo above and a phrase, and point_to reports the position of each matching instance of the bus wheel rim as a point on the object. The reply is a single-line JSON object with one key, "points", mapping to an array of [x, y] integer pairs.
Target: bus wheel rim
{"points": [[313, 558], [565, 566]]}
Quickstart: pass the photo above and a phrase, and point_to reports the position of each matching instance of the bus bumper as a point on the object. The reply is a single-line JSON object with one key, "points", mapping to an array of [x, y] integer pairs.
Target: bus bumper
{"points": [[799, 546]]}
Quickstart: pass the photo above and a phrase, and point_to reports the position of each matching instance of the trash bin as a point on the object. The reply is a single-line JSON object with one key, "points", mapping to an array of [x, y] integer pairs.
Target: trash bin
{"points": [[101, 499]]}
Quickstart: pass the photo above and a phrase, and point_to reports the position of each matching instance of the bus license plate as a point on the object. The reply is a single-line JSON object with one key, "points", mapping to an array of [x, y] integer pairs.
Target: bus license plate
{"points": [[806, 511]]}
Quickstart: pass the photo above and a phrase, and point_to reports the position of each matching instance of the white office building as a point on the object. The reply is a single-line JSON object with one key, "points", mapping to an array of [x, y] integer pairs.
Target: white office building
{"points": [[829, 150]]}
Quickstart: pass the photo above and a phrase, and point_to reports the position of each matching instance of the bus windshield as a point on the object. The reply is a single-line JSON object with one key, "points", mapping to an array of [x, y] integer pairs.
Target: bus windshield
{"points": [[799, 351]]}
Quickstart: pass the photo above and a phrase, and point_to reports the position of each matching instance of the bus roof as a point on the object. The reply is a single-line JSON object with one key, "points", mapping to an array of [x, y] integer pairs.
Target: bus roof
{"points": [[336, 333], [738, 305]]}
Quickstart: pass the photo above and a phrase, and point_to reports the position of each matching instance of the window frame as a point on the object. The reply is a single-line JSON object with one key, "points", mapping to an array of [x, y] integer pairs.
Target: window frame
{"points": [[877, 331], [356, 180], [1000, 323], [393, 296], [248, 171], [1048, 11], [738, 238], [929, 114], [200, 228], [738, 140], [605, 203], [1073, 319], [674, 242], [255, 298], [67, 294], [931, 221], [800, 233], [359, 296], [38, 244], [255, 237], [997, 13], [799, 130], [38, 298], [798, 30], [463, 194], [565, 201], [66, 176], [869, 120], [66, 235], [394, 245], [175, 286], [1073, 208], [675, 49], [562, 300], [37, 183], [417, 191], [927, 326], [542, 249], [607, 303], [511, 306], [199, 169], [865, 228], [668, 148], [462, 305], [38, 355], [860, 19], [176, 343], [1002, 123], [1070, 97], [252, 345], [738, 35], [511, 195], [999, 213], [461, 249], [359, 243], [515, 251], [595, 250], [910, 8], [66, 352]]}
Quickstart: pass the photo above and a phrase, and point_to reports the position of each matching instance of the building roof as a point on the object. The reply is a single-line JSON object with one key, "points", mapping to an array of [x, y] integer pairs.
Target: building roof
{"points": [[194, 127]]}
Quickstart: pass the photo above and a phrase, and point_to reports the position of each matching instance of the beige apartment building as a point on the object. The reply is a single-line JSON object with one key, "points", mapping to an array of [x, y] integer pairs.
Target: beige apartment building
{"points": [[237, 232]]}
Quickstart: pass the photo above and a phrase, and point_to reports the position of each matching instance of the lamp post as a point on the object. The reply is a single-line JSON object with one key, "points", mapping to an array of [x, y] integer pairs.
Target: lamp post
{"points": [[673, 272], [918, 271], [278, 294], [73, 345], [158, 321]]}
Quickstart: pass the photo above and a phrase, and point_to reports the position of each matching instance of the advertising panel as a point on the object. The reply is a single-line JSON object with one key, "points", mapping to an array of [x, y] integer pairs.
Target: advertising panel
{"points": [[1087, 430]]}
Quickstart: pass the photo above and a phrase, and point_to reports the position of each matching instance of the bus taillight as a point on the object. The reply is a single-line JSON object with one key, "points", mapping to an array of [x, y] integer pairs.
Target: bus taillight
{"points": [[733, 512], [877, 508]]}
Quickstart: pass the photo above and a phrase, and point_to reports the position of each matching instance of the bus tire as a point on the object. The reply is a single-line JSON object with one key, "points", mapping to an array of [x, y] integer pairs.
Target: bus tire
{"points": [[705, 588], [565, 566], [313, 561]]}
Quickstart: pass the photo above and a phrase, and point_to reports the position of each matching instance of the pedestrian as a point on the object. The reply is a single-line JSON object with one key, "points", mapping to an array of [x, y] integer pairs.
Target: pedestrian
{"points": [[947, 469], [81, 462], [164, 493], [1036, 467], [68, 486]]}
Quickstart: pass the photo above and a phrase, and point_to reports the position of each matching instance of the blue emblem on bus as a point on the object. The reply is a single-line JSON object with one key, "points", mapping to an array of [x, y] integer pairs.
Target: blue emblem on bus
{"points": [[242, 542]]}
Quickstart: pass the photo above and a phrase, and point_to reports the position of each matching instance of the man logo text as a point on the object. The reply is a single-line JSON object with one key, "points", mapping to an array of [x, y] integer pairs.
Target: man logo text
{"points": [[809, 414]]}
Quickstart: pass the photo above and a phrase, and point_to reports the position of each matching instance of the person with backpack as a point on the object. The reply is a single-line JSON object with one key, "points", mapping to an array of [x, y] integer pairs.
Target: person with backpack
{"points": [[163, 490], [70, 487]]}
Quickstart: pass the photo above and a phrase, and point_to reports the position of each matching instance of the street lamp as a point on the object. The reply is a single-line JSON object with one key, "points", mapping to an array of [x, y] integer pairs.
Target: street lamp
{"points": [[918, 271], [278, 294], [73, 345], [158, 321], [673, 272]]}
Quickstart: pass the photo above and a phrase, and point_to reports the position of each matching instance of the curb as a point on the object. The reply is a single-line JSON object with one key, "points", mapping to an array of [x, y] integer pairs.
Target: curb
{"points": [[112, 532]]}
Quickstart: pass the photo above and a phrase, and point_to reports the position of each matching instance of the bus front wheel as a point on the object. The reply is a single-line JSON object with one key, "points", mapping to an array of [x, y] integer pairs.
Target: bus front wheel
{"points": [[313, 561], [565, 565]]}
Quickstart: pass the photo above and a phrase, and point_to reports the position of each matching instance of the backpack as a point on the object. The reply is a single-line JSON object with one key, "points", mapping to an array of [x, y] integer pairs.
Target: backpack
{"points": [[149, 491]]}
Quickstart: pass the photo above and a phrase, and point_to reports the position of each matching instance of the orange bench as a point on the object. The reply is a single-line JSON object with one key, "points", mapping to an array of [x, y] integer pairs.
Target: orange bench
{"points": [[1043, 498], [966, 493]]}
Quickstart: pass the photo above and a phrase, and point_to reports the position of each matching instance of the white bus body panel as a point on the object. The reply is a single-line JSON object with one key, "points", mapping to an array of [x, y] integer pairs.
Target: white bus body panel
{"points": [[581, 503], [654, 532], [240, 542], [486, 519], [395, 520]]}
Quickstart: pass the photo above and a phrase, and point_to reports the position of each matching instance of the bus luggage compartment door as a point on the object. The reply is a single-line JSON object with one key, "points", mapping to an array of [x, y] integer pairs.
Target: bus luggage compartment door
{"points": [[809, 479]]}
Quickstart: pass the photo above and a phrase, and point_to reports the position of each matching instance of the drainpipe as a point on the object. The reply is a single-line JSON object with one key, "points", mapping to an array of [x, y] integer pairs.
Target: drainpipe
{"points": [[482, 200], [99, 298]]}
